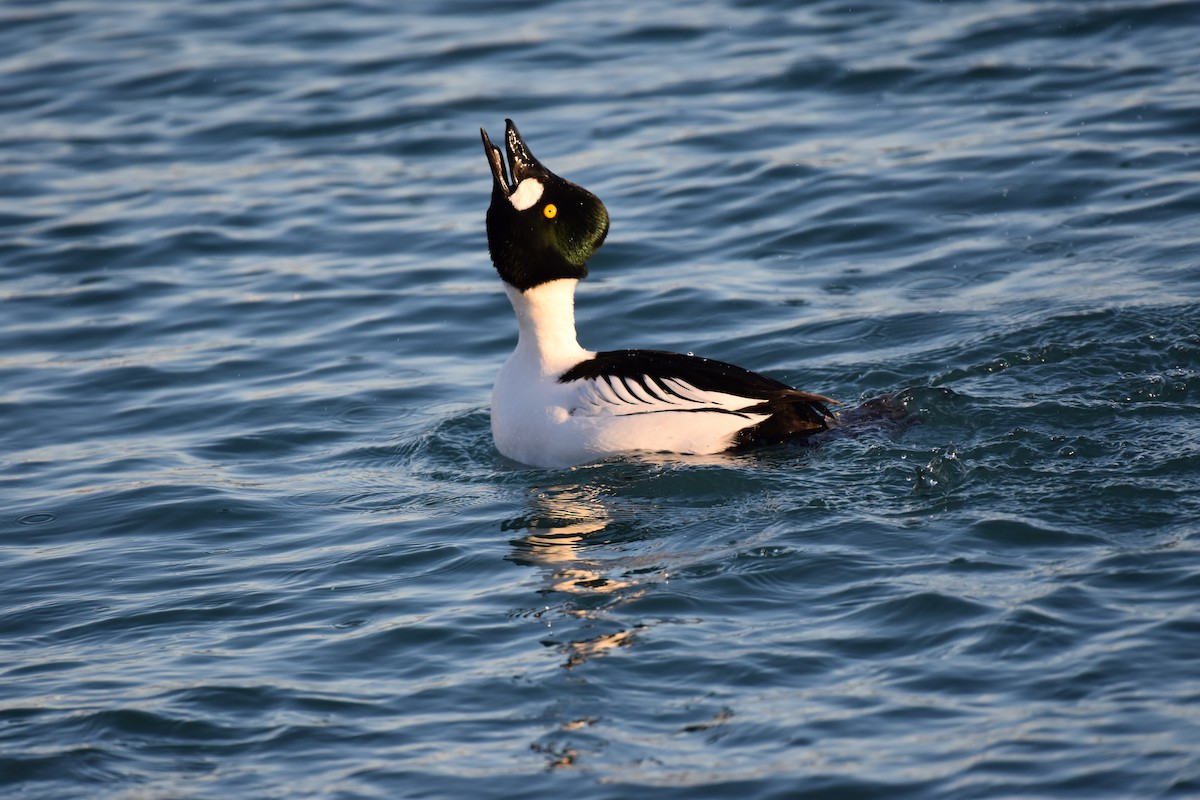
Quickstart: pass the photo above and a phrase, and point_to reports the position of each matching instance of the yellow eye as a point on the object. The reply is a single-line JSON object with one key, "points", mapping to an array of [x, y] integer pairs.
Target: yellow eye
{"points": [[550, 210]]}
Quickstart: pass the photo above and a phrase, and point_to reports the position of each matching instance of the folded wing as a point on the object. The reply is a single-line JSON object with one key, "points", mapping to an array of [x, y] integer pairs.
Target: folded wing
{"points": [[637, 382]]}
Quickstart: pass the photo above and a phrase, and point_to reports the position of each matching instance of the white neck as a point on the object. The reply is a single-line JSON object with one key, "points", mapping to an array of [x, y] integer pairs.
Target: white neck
{"points": [[546, 320]]}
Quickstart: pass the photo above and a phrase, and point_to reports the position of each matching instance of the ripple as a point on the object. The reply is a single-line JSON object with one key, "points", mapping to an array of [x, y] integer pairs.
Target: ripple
{"points": [[40, 518], [258, 532]]}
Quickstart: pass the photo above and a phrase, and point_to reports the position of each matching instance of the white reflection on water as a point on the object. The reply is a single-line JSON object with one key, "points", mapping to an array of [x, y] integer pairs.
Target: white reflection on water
{"points": [[572, 536]]}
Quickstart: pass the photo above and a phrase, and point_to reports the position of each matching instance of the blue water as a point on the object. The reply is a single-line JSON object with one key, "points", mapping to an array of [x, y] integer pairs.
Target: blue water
{"points": [[255, 541]]}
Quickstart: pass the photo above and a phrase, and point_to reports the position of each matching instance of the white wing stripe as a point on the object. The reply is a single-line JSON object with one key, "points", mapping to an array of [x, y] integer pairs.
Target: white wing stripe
{"points": [[724, 400], [685, 390], [654, 391], [606, 392], [641, 391], [619, 396], [621, 390]]}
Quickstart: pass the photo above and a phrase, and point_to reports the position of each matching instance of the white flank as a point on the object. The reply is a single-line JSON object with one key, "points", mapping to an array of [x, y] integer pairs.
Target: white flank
{"points": [[528, 192]]}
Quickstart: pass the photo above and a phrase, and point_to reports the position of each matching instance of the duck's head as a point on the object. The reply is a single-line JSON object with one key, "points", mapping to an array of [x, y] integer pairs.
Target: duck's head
{"points": [[540, 227]]}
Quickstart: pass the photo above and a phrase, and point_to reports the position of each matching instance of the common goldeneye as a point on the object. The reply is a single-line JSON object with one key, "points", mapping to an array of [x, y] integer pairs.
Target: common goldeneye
{"points": [[556, 404]]}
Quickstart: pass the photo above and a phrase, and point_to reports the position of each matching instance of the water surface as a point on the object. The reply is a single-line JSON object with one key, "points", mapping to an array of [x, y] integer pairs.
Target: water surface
{"points": [[256, 542]]}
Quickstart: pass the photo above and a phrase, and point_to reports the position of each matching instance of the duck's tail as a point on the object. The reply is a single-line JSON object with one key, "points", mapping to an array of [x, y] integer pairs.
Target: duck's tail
{"points": [[887, 413]]}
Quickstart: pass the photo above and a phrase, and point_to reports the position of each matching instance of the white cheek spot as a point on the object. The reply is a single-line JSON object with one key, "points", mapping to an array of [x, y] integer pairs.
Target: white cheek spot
{"points": [[528, 192]]}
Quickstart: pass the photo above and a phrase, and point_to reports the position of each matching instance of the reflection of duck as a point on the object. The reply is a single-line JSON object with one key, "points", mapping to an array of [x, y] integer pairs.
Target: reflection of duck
{"points": [[555, 404], [557, 541], [580, 651], [564, 518]]}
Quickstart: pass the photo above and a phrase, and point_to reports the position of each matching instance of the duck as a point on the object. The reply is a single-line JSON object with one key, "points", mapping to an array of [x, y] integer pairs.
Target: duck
{"points": [[556, 404]]}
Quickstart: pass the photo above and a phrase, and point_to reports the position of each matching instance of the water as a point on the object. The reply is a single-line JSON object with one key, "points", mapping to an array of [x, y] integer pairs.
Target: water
{"points": [[256, 541]]}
